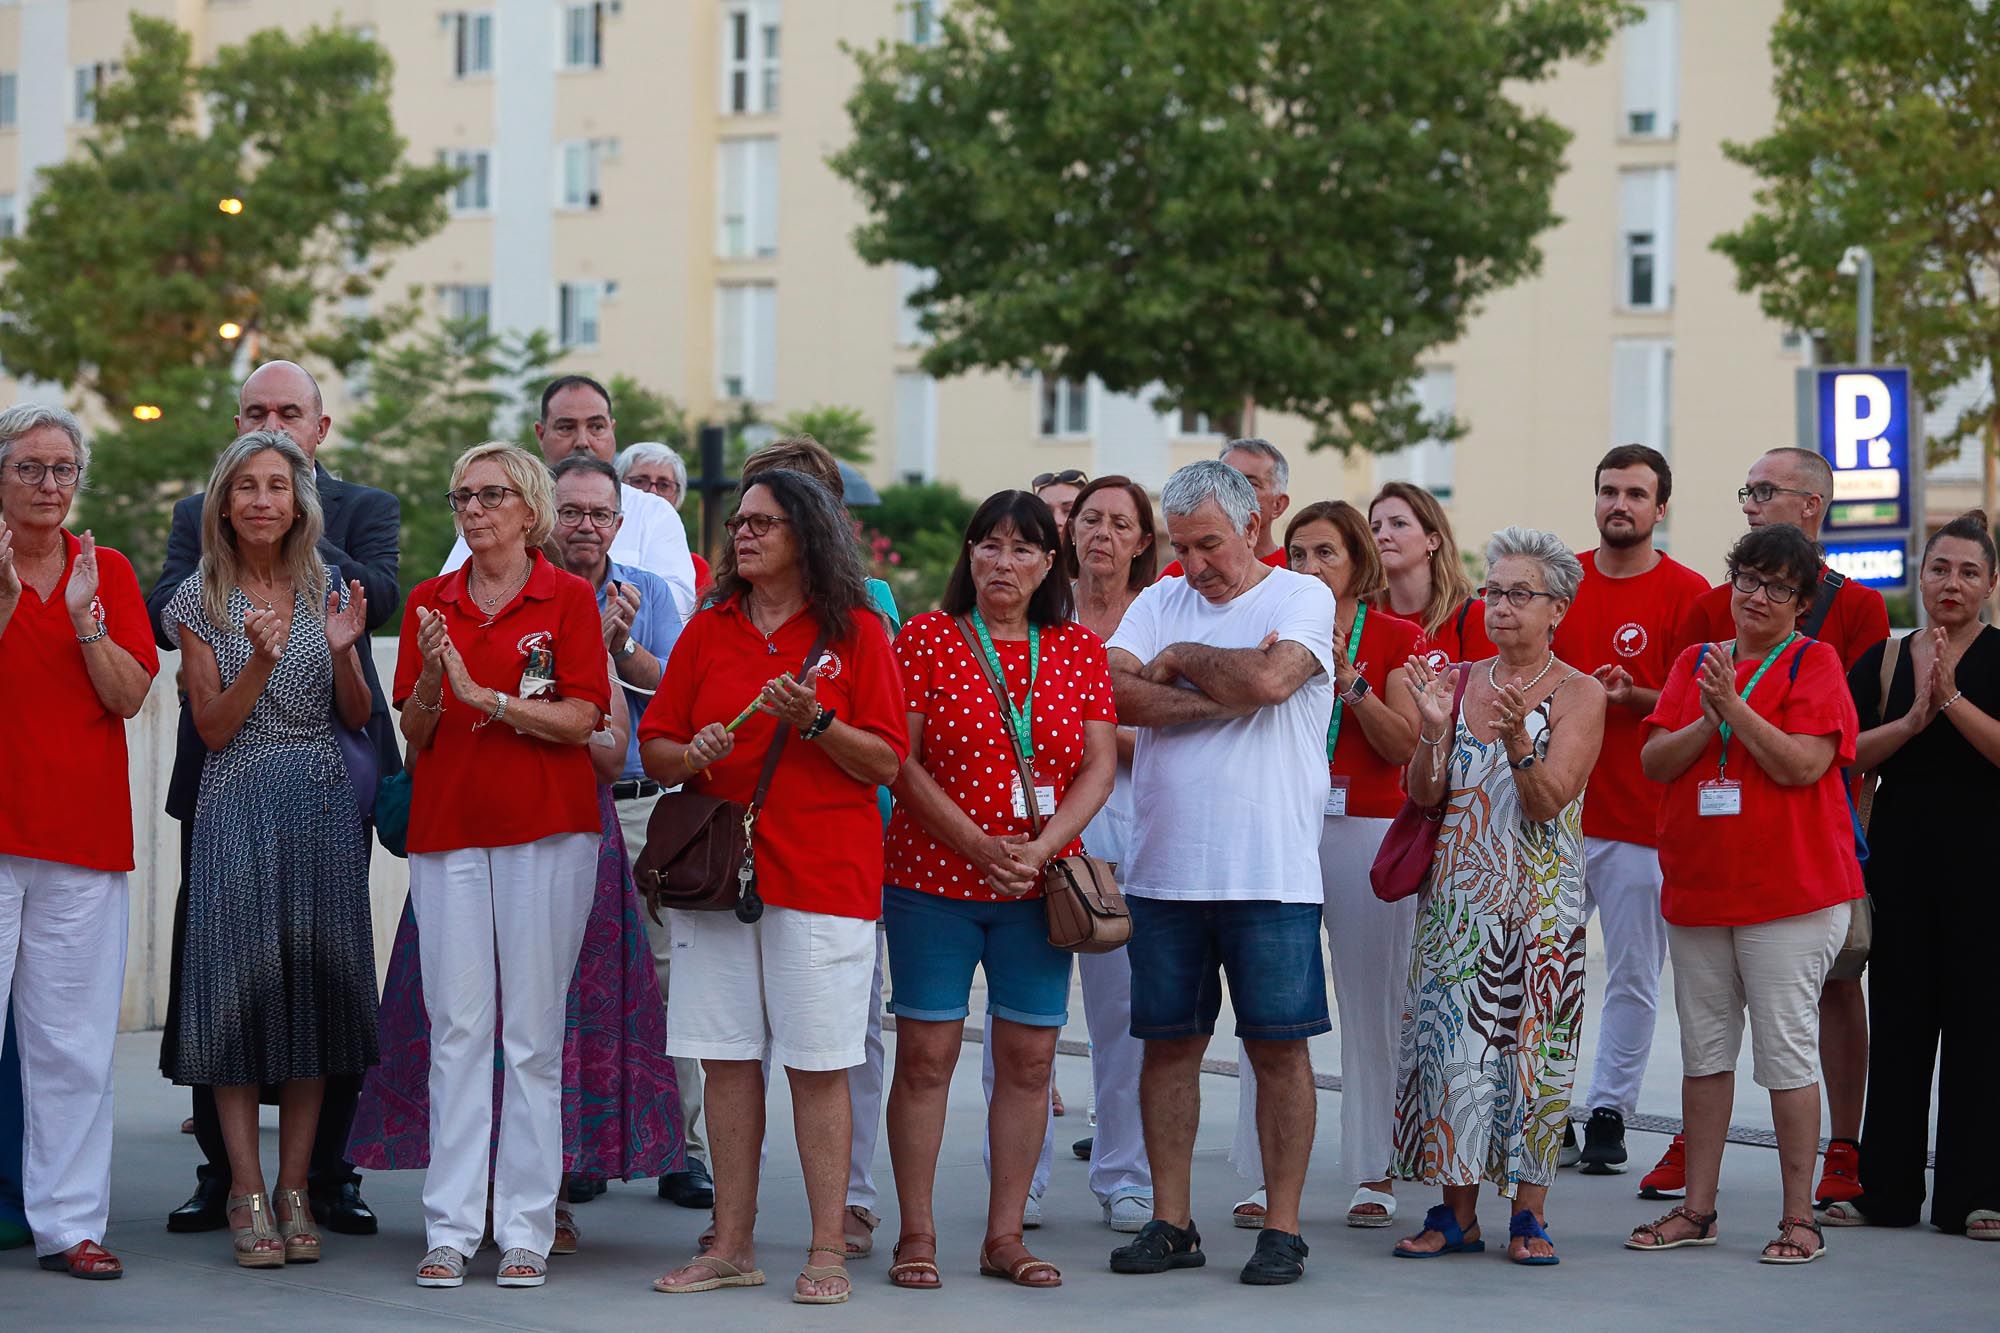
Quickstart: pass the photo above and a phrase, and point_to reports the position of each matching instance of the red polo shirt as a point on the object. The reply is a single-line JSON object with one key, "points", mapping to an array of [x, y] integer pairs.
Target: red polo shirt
{"points": [[68, 787], [819, 838], [1275, 560], [1633, 623], [1374, 785], [495, 787], [1856, 622]]}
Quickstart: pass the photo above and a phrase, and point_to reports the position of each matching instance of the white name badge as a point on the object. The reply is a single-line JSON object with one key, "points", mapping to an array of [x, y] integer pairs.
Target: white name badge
{"points": [[1336, 799], [1719, 796], [1045, 800]]}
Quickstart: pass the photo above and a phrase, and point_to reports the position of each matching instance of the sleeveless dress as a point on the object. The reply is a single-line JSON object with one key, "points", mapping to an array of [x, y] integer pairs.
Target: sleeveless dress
{"points": [[278, 957], [1494, 1009]]}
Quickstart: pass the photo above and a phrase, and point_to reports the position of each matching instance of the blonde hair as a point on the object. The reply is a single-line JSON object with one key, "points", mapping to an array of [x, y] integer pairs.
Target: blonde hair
{"points": [[800, 453], [1449, 585], [298, 554], [529, 475]]}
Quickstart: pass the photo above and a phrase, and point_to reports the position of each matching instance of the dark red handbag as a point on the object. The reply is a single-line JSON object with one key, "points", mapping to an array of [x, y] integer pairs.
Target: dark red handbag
{"points": [[1403, 863]]}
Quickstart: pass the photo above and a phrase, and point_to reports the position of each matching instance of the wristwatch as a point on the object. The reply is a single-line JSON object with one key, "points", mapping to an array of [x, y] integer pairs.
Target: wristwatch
{"points": [[1357, 694], [625, 653], [1525, 762], [818, 726]]}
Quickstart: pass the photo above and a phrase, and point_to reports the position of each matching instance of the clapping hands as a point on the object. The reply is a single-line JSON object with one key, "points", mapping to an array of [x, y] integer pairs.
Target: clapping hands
{"points": [[267, 628], [344, 628]]}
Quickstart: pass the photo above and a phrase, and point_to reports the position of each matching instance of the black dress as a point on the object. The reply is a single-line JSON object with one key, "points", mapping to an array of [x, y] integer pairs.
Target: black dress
{"points": [[1937, 936]]}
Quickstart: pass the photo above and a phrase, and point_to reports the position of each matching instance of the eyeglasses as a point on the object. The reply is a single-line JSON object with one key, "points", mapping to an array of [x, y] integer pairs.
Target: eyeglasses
{"points": [[1068, 477], [760, 525], [31, 473], [1518, 598], [570, 516], [1764, 491], [663, 487], [489, 497], [1776, 593]]}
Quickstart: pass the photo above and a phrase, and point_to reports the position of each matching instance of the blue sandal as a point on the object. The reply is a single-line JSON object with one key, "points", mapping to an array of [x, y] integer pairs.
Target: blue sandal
{"points": [[1442, 1220], [1524, 1226]]}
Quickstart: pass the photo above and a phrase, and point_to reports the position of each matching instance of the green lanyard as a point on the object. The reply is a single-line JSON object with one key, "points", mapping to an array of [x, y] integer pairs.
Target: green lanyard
{"points": [[1755, 676], [1018, 721], [1353, 647]]}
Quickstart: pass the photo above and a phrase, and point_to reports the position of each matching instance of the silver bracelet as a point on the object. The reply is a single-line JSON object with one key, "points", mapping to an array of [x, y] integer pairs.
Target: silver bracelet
{"points": [[1955, 697], [1428, 741], [102, 630], [499, 711]]}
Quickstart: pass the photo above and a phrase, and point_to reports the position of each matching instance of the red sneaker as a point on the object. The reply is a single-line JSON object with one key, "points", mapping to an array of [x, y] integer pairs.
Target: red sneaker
{"points": [[1668, 1180], [1841, 1181]]}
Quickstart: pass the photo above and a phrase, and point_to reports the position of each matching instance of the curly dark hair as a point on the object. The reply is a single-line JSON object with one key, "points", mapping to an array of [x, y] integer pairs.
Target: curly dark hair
{"points": [[829, 558], [1028, 514], [1781, 550]]}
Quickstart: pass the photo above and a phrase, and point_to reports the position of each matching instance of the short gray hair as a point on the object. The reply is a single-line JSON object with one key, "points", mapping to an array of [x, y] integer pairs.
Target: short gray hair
{"points": [[1210, 479], [1281, 471], [23, 418], [1559, 565], [652, 451]]}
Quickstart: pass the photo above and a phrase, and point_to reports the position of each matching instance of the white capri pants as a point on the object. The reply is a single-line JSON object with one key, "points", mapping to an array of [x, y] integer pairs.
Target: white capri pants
{"points": [[498, 933], [62, 937], [1775, 971]]}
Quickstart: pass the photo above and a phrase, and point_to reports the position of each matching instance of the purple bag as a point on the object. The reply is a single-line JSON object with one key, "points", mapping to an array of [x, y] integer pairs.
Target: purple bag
{"points": [[1403, 863]]}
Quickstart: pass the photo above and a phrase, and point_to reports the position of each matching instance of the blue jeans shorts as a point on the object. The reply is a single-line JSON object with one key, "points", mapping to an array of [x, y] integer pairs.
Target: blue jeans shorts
{"points": [[935, 942], [1270, 952]]}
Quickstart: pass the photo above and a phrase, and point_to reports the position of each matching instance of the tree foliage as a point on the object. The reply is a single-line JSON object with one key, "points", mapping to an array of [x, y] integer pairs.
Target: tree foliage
{"points": [[845, 431], [1277, 200], [1887, 136]]}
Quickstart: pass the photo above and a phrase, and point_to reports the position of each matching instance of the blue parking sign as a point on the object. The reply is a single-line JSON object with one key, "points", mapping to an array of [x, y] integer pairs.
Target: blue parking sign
{"points": [[1864, 431]]}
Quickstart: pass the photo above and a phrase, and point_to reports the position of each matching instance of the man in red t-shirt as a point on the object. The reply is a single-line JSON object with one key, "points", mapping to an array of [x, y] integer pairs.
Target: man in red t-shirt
{"points": [[1271, 478], [1623, 627], [1793, 486]]}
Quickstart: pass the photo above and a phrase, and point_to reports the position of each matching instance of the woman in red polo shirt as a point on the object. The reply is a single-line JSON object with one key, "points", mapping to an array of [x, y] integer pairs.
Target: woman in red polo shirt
{"points": [[787, 627], [1423, 578], [501, 677], [76, 649], [1371, 737], [1758, 868]]}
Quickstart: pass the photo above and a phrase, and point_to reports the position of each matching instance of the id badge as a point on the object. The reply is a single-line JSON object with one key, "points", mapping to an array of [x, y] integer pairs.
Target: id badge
{"points": [[1045, 800], [1719, 796], [1336, 799]]}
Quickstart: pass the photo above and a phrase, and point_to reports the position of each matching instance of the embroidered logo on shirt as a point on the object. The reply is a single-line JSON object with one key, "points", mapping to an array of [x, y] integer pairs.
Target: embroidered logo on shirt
{"points": [[828, 667], [1629, 640], [1437, 659], [530, 643]]}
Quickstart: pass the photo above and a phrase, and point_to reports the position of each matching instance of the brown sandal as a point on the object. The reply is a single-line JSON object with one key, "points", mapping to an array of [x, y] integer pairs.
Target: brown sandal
{"points": [[903, 1268], [1703, 1223], [1021, 1269], [1786, 1226]]}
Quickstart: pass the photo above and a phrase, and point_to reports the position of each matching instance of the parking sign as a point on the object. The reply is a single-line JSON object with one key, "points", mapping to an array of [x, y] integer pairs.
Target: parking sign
{"points": [[1866, 434]]}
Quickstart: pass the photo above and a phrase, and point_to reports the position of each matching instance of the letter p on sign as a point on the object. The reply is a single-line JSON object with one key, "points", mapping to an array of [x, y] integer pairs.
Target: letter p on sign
{"points": [[1861, 415]]}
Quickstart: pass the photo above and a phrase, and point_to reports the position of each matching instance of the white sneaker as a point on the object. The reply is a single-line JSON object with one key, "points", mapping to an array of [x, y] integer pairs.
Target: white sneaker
{"points": [[1128, 1212], [1031, 1216]]}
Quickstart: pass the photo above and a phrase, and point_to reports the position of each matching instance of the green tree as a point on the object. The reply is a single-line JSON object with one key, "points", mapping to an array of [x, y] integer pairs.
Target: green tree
{"points": [[845, 431], [1238, 200], [1886, 138], [914, 536], [646, 415], [127, 268]]}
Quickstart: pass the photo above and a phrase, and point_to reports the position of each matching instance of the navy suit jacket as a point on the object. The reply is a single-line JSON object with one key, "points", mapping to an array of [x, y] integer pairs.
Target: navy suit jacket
{"points": [[363, 539]]}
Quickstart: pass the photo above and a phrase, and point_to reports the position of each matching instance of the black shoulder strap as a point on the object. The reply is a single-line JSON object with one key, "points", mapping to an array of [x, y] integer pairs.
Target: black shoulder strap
{"points": [[1830, 584], [784, 731]]}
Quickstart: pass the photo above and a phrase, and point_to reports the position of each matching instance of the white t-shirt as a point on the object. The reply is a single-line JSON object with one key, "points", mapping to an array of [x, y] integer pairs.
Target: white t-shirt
{"points": [[652, 539], [1232, 811]]}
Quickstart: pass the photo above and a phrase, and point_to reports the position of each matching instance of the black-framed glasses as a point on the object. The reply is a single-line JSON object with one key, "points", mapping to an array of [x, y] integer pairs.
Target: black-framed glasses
{"points": [[571, 516], [760, 525], [1518, 598], [1074, 476], [1764, 492], [489, 497], [663, 488], [1776, 593], [31, 473]]}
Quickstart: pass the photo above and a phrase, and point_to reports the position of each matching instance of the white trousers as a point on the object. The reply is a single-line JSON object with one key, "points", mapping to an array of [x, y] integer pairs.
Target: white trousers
{"points": [[498, 933], [62, 939], [864, 1096], [633, 816], [1369, 943], [1118, 1162], [1622, 881]]}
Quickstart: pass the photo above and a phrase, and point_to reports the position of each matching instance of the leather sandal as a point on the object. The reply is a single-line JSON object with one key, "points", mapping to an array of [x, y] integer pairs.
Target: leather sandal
{"points": [[85, 1259], [1703, 1223], [246, 1240], [566, 1235], [903, 1269], [1786, 1226], [860, 1247], [817, 1273], [297, 1231], [1021, 1270]]}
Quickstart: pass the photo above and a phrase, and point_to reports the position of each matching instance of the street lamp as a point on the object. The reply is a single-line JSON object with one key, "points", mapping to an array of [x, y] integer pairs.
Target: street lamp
{"points": [[230, 330], [231, 205], [145, 412], [1858, 264]]}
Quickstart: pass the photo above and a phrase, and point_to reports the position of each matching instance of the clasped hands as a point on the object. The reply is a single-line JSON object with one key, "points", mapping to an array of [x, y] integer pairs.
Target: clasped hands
{"points": [[1011, 864]]}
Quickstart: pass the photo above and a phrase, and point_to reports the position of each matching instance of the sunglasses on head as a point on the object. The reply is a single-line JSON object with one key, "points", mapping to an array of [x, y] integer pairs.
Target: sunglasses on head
{"points": [[1069, 477]]}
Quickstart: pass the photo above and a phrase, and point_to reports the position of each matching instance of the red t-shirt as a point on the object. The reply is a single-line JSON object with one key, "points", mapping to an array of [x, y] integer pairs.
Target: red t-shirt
{"points": [[495, 787], [819, 839], [702, 576], [1461, 638], [1633, 623], [1374, 785], [1856, 622], [1275, 560], [1791, 851], [966, 746], [68, 787]]}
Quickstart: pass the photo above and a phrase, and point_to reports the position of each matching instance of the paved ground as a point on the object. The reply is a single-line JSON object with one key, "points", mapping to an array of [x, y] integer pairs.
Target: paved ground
{"points": [[1901, 1279]]}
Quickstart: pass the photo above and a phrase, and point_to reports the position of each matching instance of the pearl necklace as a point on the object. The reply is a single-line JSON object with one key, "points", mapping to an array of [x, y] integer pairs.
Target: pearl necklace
{"points": [[1528, 688]]}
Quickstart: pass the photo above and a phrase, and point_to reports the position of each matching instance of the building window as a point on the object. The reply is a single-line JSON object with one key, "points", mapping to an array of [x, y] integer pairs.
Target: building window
{"points": [[749, 198], [471, 42], [10, 222], [1652, 72], [923, 22], [1642, 383], [583, 36], [1428, 463], [916, 425], [1646, 226], [576, 313], [461, 300], [474, 191], [750, 58], [10, 94], [1193, 424], [90, 81], [909, 318], [747, 315], [577, 179], [1065, 407]]}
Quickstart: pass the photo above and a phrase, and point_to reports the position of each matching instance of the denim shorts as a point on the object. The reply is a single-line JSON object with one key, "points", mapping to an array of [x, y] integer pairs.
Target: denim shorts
{"points": [[935, 942], [1270, 952]]}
